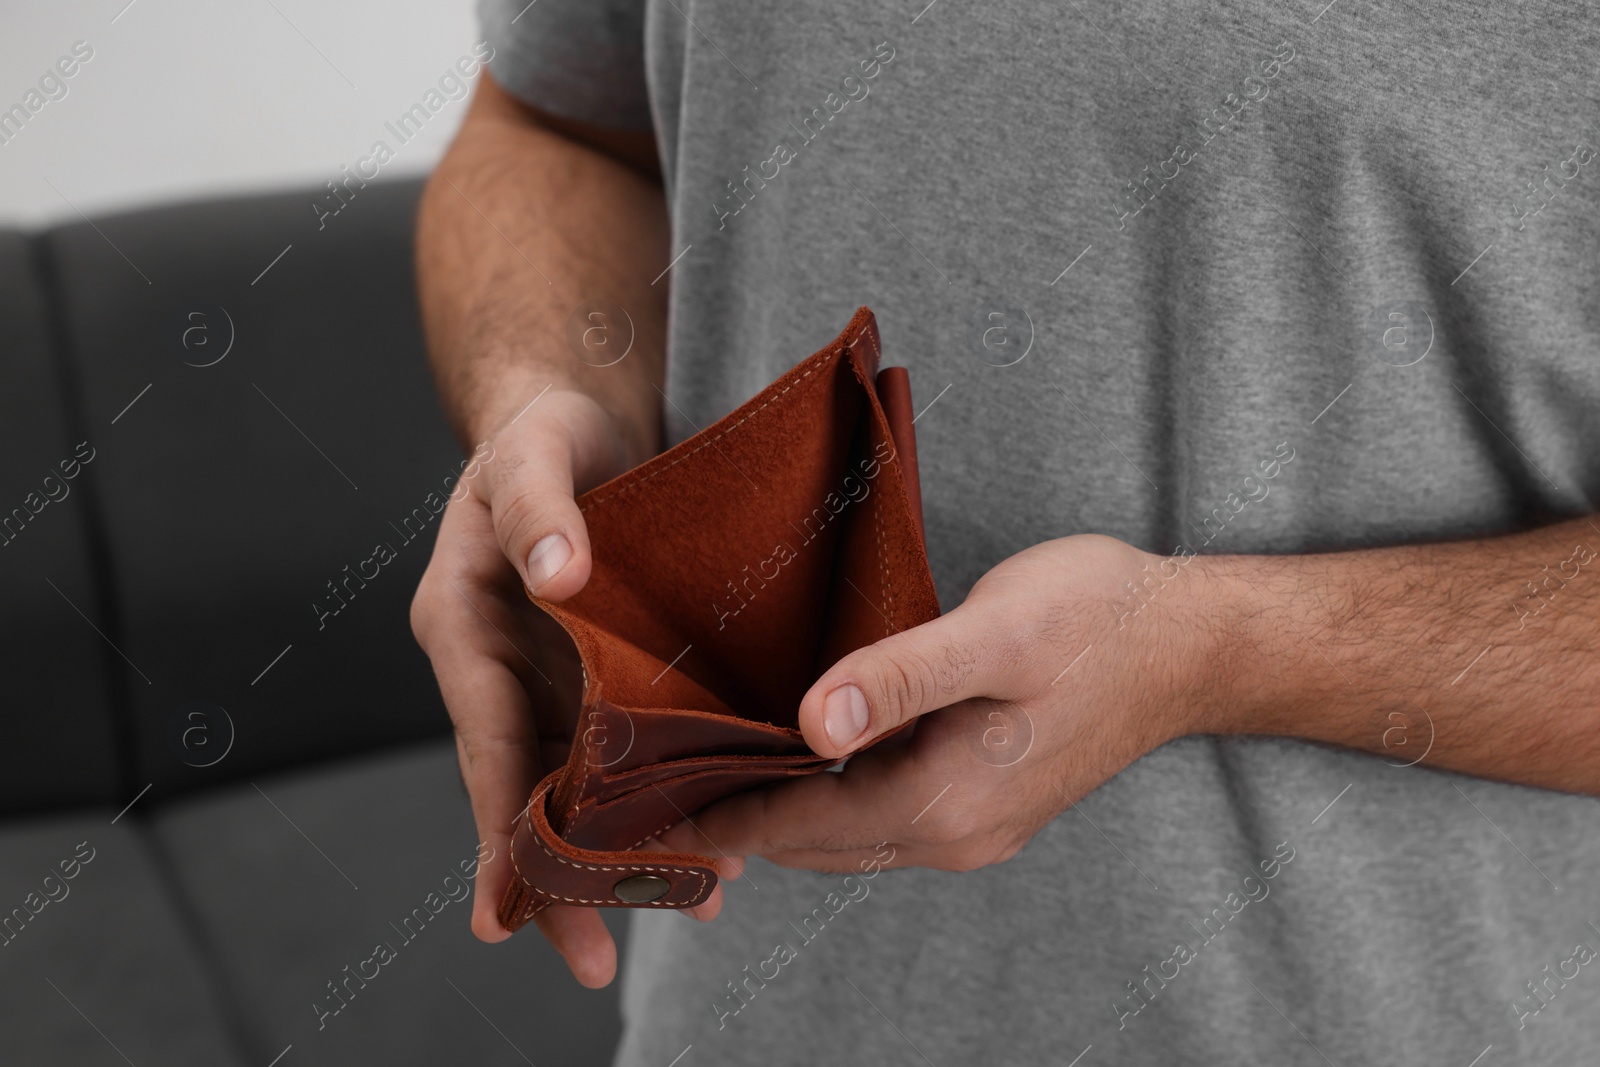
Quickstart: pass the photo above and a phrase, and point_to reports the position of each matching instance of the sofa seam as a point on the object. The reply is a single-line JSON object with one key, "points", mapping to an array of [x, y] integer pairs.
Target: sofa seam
{"points": [[92, 517]]}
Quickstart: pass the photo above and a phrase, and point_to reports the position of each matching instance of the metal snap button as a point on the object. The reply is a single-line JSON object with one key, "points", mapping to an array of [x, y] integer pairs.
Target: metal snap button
{"points": [[641, 888]]}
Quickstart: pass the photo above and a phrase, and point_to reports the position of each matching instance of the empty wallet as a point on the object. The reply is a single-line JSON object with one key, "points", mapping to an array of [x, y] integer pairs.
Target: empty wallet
{"points": [[729, 572]]}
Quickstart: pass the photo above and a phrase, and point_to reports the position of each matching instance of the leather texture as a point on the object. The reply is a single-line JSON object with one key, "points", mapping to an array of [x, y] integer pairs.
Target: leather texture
{"points": [[729, 572]]}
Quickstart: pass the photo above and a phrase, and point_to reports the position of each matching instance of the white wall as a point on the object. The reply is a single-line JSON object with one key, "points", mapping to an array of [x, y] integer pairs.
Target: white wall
{"points": [[205, 97]]}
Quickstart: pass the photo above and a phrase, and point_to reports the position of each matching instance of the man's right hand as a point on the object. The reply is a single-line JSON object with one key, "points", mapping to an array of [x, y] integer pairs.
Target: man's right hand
{"points": [[506, 670], [530, 219]]}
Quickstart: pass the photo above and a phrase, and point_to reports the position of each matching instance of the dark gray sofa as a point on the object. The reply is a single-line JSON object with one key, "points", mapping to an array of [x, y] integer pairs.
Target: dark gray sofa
{"points": [[218, 797]]}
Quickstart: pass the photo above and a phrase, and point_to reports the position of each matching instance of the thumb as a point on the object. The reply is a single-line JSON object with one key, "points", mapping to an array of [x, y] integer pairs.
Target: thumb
{"points": [[536, 520], [875, 689]]}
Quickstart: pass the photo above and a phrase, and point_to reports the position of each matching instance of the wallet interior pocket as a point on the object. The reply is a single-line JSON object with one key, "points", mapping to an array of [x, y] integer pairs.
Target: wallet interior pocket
{"points": [[726, 579], [647, 801]]}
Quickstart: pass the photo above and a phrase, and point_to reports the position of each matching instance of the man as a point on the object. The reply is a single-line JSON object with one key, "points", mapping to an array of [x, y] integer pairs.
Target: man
{"points": [[1256, 360]]}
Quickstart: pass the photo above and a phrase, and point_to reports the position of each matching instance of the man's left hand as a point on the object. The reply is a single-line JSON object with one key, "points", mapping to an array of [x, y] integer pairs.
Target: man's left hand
{"points": [[1052, 676]]}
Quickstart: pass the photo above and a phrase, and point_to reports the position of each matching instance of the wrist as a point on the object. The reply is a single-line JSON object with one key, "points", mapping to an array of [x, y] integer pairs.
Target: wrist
{"points": [[1175, 622], [496, 386], [532, 397], [577, 431], [1228, 640], [1273, 657]]}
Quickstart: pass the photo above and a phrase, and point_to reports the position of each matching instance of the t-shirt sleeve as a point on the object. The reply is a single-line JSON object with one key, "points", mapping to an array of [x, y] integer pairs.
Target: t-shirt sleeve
{"points": [[580, 59]]}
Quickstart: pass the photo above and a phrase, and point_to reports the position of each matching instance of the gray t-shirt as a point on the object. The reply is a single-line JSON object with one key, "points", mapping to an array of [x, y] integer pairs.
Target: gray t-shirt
{"points": [[1136, 255]]}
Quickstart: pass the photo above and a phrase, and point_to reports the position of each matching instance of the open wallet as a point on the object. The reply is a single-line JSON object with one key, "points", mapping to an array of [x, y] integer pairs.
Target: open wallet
{"points": [[729, 572]]}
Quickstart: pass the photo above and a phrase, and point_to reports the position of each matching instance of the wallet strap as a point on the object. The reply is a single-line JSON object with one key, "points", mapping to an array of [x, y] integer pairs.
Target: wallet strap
{"points": [[551, 871]]}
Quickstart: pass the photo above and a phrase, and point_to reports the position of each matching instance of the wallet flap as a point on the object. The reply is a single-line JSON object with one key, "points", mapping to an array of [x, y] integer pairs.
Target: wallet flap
{"points": [[551, 871]]}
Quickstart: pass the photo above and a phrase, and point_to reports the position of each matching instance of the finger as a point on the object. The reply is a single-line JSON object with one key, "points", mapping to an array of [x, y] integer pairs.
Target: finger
{"points": [[876, 798], [498, 753], [727, 867], [964, 855], [468, 634], [529, 488], [499, 763], [875, 689], [859, 861], [581, 937]]}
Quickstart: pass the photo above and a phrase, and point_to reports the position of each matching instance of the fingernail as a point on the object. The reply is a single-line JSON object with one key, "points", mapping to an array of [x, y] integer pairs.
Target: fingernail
{"points": [[844, 715], [547, 559]]}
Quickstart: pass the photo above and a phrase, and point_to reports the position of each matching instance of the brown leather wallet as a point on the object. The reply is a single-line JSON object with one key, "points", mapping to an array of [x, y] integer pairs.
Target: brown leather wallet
{"points": [[729, 573]]}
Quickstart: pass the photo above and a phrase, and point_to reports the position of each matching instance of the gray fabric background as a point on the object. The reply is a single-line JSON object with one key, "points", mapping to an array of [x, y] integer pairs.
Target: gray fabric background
{"points": [[1377, 174]]}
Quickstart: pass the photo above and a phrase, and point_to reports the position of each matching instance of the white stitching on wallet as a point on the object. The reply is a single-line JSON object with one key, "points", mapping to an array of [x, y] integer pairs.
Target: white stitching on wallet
{"points": [[888, 614], [607, 868], [888, 588], [818, 359], [647, 837], [604, 868]]}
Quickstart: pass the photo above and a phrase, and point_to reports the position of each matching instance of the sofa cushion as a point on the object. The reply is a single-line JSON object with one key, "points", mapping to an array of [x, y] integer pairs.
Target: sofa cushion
{"points": [[264, 416], [101, 966], [335, 904], [60, 736]]}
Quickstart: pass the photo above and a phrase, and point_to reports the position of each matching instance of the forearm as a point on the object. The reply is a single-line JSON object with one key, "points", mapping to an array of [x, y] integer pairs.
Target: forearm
{"points": [[520, 226], [1484, 654]]}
